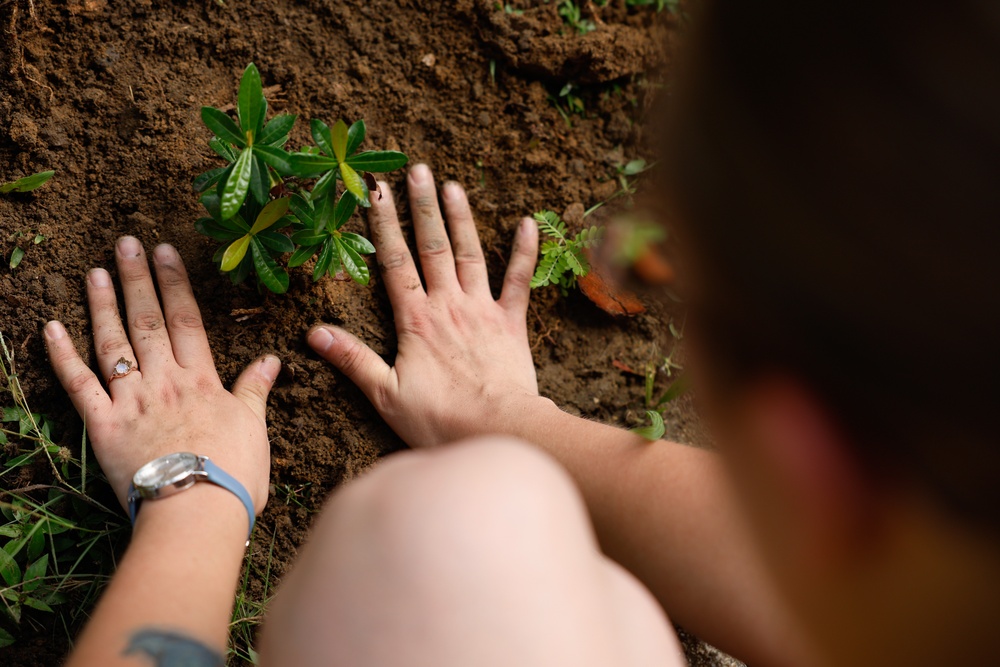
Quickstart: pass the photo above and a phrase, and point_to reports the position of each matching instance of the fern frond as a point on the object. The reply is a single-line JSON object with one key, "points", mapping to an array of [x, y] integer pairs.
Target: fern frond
{"points": [[551, 224], [548, 269]]}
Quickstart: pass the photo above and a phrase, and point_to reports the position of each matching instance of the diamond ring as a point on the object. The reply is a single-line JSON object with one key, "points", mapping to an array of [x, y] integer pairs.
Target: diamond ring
{"points": [[122, 368]]}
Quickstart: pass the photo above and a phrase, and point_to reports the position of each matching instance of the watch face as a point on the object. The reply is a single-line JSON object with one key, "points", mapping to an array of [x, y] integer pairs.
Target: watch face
{"points": [[165, 471]]}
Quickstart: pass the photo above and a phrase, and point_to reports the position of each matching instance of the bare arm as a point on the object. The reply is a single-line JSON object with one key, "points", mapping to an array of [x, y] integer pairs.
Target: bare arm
{"points": [[464, 368], [170, 601]]}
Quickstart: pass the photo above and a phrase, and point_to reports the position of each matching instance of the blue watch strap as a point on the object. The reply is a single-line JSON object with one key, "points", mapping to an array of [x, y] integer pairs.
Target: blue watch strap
{"points": [[218, 476], [215, 475]]}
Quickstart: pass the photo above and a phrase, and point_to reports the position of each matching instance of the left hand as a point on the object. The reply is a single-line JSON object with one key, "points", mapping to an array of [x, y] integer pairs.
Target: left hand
{"points": [[174, 401]]}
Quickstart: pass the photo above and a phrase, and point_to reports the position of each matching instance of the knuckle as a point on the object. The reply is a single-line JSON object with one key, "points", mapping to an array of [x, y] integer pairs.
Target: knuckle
{"points": [[351, 359], [394, 260], [112, 345], [434, 247], [186, 319], [147, 321], [466, 256], [426, 206], [79, 383], [519, 278], [171, 275]]}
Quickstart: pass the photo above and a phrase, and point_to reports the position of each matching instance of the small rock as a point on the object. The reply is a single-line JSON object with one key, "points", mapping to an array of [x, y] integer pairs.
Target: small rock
{"points": [[429, 59], [573, 215]]}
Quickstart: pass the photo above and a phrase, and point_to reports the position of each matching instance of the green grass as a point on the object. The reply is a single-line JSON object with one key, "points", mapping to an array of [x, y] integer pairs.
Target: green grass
{"points": [[248, 613], [58, 538]]}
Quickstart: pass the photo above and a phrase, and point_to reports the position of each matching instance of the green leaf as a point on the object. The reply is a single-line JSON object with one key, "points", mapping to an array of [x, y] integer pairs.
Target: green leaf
{"points": [[276, 241], [321, 135], [36, 604], [310, 237], [250, 104], [235, 253], [6, 639], [673, 392], [270, 215], [275, 157], [276, 130], [222, 149], [355, 137], [324, 260], [273, 276], [15, 257], [208, 179], [634, 167], [324, 216], [28, 183], [260, 180], [223, 126], [345, 209], [323, 186], [302, 255], [242, 271], [359, 243], [235, 190], [34, 573], [304, 165], [655, 430], [355, 184], [338, 140], [214, 230], [302, 209], [378, 161], [9, 569], [353, 263]]}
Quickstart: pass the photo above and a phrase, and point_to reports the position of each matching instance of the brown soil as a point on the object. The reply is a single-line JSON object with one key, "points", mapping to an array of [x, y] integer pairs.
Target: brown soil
{"points": [[108, 94]]}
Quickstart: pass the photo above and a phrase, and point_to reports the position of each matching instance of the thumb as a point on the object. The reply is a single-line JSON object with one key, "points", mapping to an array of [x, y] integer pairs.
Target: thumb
{"points": [[255, 382], [354, 359]]}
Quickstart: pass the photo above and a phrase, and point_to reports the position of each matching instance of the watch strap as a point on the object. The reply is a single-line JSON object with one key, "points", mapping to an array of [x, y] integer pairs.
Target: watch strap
{"points": [[213, 474]]}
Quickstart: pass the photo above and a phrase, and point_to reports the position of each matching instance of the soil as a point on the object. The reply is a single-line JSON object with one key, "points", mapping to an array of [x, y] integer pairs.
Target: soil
{"points": [[108, 95]]}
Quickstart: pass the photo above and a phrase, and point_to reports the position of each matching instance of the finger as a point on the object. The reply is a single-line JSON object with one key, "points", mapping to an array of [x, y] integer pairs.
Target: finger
{"points": [[110, 340], [469, 261], [433, 246], [255, 382], [355, 360], [517, 282], [184, 327], [394, 259], [145, 319], [84, 388]]}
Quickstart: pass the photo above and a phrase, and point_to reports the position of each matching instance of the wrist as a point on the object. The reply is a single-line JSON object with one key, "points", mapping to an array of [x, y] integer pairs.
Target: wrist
{"points": [[204, 513]]}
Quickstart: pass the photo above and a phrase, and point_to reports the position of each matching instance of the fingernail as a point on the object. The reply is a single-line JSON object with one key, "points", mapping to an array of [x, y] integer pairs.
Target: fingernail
{"points": [[54, 330], [321, 339], [452, 190], [420, 174], [270, 366], [526, 224], [164, 253], [129, 246], [99, 278]]}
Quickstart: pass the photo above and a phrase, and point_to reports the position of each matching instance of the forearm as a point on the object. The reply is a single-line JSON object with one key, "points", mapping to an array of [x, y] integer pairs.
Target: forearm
{"points": [[666, 512], [174, 588]]}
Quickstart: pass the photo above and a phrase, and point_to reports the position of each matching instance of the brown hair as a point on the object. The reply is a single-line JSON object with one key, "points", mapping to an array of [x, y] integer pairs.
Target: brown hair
{"points": [[836, 168]]}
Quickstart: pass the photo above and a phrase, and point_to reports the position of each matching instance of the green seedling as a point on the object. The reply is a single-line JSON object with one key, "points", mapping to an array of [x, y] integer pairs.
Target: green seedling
{"points": [[28, 183], [655, 406], [338, 157], [252, 148], [318, 232], [573, 16], [563, 259], [249, 205], [249, 247], [17, 254]]}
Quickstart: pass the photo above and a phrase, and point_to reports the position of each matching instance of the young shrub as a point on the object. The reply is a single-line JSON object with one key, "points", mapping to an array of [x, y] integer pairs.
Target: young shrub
{"points": [[242, 214], [318, 231], [563, 259]]}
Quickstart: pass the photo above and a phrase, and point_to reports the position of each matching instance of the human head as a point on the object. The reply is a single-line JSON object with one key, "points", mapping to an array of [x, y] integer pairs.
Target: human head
{"points": [[835, 169]]}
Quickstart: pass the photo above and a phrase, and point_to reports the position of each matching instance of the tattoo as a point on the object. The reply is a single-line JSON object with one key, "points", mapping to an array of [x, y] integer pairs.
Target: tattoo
{"points": [[172, 649]]}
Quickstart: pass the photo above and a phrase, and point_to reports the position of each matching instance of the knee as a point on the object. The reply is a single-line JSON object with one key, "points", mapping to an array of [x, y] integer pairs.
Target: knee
{"points": [[474, 495]]}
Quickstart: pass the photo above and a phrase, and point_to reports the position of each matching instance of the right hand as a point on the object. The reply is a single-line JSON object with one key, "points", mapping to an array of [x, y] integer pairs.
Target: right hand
{"points": [[464, 364]]}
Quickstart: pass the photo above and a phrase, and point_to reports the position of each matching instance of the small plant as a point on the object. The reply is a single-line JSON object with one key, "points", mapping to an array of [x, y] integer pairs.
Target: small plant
{"points": [[655, 406], [563, 259], [261, 208], [28, 183], [573, 16], [56, 540]]}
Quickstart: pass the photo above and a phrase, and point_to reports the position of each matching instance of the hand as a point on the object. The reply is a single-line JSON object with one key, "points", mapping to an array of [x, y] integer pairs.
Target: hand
{"points": [[464, 365], [174, 401]]}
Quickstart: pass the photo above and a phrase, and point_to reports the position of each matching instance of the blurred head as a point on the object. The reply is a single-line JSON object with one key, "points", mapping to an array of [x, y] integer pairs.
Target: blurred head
{"points": [[835, 170]]}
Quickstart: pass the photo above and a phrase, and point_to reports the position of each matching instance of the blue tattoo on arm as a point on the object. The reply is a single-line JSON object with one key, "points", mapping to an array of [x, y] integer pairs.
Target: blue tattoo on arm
{"points": [[172, 649]]}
